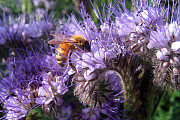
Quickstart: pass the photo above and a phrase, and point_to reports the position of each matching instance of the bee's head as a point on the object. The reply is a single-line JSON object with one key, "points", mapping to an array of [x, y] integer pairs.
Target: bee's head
{"points": [[82, 43], [86, 47]]}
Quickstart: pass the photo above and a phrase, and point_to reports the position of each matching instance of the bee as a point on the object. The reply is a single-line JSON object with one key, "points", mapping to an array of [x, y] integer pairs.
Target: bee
{"points": [[68, 43]]}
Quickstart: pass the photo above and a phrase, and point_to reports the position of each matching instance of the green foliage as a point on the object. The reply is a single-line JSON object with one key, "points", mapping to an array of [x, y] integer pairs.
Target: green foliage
{"points": [[63, 7], [36, 114], [27, 6], [11, 6], [169, 107]]}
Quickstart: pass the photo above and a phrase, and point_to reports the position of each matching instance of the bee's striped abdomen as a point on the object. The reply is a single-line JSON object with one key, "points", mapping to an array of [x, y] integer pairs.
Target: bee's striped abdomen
{"points": [[62, 53]]}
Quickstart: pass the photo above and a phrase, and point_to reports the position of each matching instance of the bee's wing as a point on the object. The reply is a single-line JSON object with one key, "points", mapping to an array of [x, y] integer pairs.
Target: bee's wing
{"points": [[54, 41], [59, 41], [60, 38], [61, 35]]}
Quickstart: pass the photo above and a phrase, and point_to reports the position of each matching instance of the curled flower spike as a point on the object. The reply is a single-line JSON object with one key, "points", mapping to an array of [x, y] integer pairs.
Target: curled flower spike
{"points": [[167, 57], [153, 36], [109, 75], [97, 92], [88, 70]]}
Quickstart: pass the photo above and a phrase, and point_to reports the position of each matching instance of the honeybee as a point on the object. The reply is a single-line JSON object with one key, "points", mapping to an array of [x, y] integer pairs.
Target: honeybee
{"points": [[68, 43]]}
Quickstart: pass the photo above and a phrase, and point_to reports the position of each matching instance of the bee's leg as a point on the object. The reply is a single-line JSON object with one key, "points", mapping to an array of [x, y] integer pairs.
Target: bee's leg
{"points": [[71, 65]]}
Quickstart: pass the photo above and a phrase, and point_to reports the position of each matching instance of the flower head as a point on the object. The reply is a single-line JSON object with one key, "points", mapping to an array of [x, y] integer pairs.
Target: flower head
{"points": [[15, 100], [91, 61], [51, 89], [49, 5], [33, 30], [3, 35]]}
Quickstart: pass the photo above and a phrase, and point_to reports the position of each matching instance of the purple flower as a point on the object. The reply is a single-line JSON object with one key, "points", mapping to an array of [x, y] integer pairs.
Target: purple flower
{"points": [[36, 29], [48, 4], [15, 100], [105, 28], [46, 26], [33, 30], [20, 31], [100, 113], [158, 39], [30, 86], [150, 15], [6, 86], [90, 114], [51, 89], [92, 61], [162, 54], [3, 35], [125, 25], [174, 29], [175, 46], [17, 106]]}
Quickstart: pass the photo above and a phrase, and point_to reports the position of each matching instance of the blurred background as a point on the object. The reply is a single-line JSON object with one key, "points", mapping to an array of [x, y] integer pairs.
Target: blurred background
{"points": [[169, 107]]}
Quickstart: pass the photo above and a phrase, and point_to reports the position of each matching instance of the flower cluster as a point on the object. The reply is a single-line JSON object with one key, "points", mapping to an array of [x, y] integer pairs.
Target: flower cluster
{"points": [[133, 55], [149, 32], [24, 29], [48, 4]]}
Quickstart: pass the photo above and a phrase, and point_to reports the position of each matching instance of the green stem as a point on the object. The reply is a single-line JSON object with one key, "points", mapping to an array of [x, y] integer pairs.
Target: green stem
{"points": [[151, 102], [151, 105]]}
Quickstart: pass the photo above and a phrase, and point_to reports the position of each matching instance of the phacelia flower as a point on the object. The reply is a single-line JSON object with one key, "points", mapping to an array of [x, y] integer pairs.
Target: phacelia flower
{"points": [[16, 101], [18, 106], [3, 35], [150, 15], [92, 61], [162, 54], [174, 30], [158, 39], [49, 4], [50, 94], [51, 89], [18, 32], [125, 25], [175, 46], [33, 30]]}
